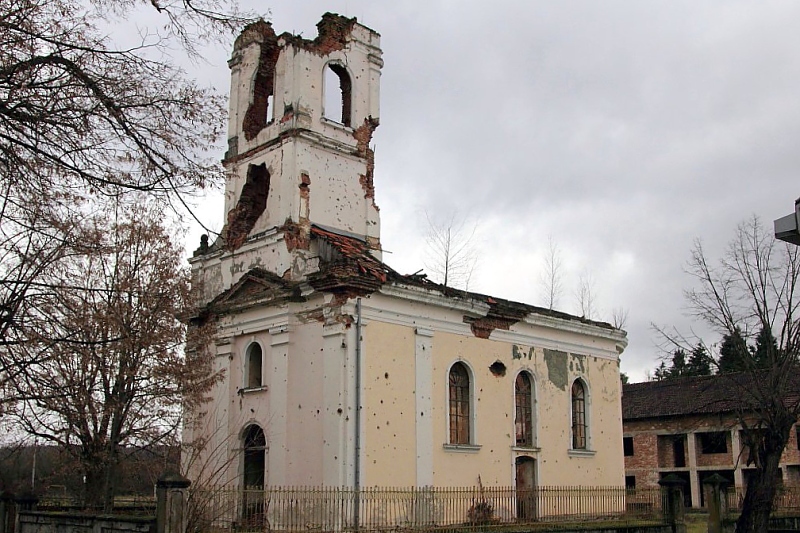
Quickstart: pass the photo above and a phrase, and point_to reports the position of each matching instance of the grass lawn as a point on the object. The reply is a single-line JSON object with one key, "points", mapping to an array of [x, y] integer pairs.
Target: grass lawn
{"points": [[696, 523]]}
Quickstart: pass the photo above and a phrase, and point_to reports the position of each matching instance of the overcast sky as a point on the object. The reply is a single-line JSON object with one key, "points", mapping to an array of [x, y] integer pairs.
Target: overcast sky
{"points": [[622, 129]]}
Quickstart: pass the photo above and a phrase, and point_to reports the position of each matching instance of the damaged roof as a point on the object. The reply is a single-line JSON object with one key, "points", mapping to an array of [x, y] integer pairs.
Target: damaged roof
{"points": [[352, 262], [348, 268]]}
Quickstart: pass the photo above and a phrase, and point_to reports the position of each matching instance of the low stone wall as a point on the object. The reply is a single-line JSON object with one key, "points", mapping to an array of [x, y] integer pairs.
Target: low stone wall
{"points": [[44, 522], [606, 529]]}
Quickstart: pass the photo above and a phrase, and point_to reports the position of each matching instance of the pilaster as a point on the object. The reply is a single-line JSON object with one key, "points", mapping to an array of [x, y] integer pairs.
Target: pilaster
{"points": [[691, 456], [423, 391], [738, 461], [334, 427], [277, 438]]}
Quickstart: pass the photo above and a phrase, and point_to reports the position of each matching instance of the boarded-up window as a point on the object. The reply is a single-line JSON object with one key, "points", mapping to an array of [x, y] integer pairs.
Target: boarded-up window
{"points": [[523, 399], [578, 416], [459, 404]]}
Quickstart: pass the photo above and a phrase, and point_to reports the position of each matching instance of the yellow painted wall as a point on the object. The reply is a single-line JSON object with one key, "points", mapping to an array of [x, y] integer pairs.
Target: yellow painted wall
{"points": [[390, 425], [389, 403]]}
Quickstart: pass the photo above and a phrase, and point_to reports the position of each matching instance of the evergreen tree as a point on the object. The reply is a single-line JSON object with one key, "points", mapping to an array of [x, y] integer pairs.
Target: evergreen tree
{"points": [[678, 367], [699, 362], [733, 354], [662, 372], [766, 348]]}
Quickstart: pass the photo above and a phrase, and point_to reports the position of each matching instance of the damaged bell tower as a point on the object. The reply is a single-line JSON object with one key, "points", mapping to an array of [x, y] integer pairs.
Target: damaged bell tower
{"points": [[291, 163]]}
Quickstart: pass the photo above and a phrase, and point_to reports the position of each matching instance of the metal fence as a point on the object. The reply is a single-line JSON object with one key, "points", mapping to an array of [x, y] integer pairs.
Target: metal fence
{"points": [[332, 509], [787, 499]]}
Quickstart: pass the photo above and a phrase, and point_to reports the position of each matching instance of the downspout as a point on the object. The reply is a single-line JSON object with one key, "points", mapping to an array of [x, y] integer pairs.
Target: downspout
{"points": [[357, 469]]}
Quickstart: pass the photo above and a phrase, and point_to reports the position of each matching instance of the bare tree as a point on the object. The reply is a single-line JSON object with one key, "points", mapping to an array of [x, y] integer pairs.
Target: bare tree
{"points": [[619, 317], [552, 276], [451, 253], [585, 295], [106, 365], [754, 288], [80, 119]]}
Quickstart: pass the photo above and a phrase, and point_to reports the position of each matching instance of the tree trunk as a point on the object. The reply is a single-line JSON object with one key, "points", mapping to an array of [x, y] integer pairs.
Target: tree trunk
{"points": [[95, 476], [762, 486], [100, 484]]}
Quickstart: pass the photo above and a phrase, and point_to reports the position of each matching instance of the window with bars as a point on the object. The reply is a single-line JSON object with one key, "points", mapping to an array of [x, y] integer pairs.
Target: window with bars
{"points": [[459, 397], [523, 399], [578, 416]]}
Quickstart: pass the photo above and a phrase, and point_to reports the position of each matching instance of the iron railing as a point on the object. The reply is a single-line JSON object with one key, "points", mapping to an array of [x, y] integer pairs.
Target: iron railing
{"points": [[334, 509], [787, 499]]}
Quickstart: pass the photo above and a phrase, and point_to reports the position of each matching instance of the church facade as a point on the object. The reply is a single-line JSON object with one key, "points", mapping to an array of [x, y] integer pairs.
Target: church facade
{"points": [[340, 371]]}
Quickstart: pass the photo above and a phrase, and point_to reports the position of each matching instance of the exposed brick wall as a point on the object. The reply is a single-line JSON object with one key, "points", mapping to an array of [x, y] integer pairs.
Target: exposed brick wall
{"points": [[252, 203], [714, 459], [256, 117], [363, 136], [644, 452], [791, 455], [653, 451], [666, 450], [333, 33]]}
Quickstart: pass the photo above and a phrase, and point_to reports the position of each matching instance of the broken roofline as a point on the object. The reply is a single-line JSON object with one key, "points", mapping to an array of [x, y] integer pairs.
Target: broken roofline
{"points": [[354, 272], [503, 312]]}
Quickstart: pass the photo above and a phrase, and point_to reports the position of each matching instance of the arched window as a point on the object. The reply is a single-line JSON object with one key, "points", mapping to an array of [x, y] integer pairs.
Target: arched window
{"points": [[459, 396], [255, 455], [338, 101], [253, 373], [523, 414], [578, 415]]}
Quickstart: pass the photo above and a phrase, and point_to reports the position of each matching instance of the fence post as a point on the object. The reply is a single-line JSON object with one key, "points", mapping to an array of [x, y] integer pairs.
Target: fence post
{"points": [[171, 503], [7, 512], [716, 502], [673, 486]]}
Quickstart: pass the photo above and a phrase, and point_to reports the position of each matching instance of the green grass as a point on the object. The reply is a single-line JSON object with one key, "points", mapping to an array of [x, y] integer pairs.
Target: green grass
{"points": [[696, 522]]}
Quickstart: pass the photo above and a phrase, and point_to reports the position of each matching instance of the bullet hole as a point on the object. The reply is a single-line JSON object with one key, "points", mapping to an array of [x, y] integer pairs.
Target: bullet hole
{"points": [[317, 411], [299, 406], [386, 375], [498, 369], [421, 414], [339, 410]]}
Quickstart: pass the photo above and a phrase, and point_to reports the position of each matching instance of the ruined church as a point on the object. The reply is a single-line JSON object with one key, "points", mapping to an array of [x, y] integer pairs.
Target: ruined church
{"points": [[340, 371]]}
